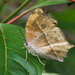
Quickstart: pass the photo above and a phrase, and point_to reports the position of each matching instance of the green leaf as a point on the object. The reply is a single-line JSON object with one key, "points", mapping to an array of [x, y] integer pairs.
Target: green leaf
{"points": [[2, 55], [12, 56], [42, 3], [46, 73]]}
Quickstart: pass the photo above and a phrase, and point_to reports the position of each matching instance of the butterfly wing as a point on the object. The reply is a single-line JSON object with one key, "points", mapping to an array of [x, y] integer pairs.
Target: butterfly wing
{"points": [[58, 43], [44, 38], [38, 21]]}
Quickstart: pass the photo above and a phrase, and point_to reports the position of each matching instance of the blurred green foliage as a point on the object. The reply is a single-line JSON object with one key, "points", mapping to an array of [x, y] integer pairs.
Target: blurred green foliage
{"points": [[66, 21]]}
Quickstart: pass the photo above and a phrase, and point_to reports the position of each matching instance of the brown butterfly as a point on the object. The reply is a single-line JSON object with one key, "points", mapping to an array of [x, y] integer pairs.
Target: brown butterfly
{"points": [[43, 38]]}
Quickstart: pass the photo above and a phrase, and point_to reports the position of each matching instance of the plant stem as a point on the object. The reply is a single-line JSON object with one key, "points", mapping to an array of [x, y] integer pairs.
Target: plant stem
{"points": [[16, 11], [11, 21]]}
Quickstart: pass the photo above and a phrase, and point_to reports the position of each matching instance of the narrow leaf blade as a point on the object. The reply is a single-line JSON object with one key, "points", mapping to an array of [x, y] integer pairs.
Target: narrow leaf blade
{"points": [[42, 3]]}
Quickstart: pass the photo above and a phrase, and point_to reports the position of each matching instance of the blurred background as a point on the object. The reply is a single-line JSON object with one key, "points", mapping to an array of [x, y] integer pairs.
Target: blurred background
{"points": [[65, 15]]}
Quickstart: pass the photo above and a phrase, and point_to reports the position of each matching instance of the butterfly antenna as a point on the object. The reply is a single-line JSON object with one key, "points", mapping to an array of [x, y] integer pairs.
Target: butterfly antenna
{"points": [[21, 32]]}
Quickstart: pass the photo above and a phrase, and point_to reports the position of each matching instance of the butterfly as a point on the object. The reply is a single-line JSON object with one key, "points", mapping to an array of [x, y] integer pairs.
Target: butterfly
{"points": [[43, 38]]}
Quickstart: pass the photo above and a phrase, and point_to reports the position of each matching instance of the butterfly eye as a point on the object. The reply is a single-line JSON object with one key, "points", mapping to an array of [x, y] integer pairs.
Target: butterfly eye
{"points": [[43, 25]]}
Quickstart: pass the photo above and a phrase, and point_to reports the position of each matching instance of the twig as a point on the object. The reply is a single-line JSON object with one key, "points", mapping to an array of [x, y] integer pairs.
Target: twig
{"points": [[16, 11]]}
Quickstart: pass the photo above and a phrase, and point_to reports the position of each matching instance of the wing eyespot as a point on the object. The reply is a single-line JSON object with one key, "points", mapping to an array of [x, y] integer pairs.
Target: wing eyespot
{"points": [[43, 25]]}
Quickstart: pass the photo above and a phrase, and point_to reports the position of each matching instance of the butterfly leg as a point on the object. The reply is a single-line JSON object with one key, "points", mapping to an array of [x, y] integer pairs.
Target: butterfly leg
{"points": [[25, 44], [39, 59], [22, 47], [26, 57]]}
